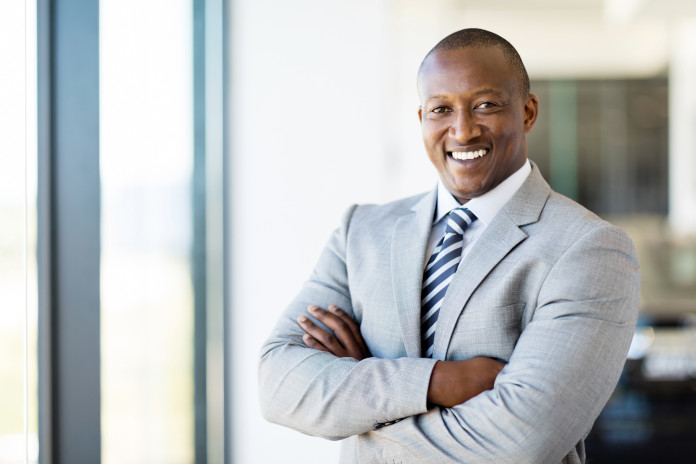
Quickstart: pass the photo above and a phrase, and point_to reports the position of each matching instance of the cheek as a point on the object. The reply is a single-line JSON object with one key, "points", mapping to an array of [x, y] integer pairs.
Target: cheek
{"points": [[433, 132], [509, 139]]}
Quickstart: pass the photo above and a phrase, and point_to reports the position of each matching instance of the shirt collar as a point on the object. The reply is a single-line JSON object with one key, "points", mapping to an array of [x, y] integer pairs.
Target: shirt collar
{"points": [[486, 206]]}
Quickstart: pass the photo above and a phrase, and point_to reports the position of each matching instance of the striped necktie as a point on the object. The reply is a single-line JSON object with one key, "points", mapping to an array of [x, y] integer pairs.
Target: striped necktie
{"points": [[439, 273]]}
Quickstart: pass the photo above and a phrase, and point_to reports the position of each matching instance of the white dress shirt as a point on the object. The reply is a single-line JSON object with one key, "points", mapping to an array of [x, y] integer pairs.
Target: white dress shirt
{"points": [[485, 207]]}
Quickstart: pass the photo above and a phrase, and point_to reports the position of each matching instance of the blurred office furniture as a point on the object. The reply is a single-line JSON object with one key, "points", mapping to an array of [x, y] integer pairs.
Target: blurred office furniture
{"points": [[652, 414]]}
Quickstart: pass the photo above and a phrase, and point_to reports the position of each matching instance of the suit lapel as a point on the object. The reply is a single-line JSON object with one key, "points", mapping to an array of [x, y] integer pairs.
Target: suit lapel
{"points": [[409, 240], [501, 236]]}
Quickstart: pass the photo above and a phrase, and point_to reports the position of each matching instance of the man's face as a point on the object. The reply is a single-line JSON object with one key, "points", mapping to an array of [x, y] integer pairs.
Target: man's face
{"points": [[474, 119]]}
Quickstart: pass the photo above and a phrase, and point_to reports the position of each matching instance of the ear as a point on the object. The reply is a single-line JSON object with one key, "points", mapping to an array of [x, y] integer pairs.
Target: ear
{"points": [[531, 110], [420, 114]]}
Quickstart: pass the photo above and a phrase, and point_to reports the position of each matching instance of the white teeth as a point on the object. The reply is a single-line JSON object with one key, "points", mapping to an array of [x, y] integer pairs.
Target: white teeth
{"points": [[468, 155]]}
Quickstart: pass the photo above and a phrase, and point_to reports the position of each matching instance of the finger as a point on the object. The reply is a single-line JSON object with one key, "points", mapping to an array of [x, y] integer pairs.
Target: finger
{"points": [[350, 323], [340, 327], [313, 343], [322, 336], [354, 327]]}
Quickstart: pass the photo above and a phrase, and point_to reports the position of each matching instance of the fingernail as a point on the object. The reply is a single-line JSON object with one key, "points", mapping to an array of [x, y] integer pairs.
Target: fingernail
{"points": [[313, 309], [333, 308], [303, 319]]}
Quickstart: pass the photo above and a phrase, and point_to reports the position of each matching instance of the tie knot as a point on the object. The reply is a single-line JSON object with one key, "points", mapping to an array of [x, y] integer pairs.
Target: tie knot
{"points": [[458, 221]]}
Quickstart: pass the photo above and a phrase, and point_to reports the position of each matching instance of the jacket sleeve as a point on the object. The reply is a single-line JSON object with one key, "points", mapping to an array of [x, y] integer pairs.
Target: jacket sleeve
{"points": [[561, 374], [319, 394]]}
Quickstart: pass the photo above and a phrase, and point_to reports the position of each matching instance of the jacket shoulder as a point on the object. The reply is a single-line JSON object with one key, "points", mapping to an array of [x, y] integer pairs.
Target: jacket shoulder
{"points": [[386, 212], [573, 221]]}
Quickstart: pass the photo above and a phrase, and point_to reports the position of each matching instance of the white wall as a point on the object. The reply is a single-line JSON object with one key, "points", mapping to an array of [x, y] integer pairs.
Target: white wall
{"points": [[310, 129]]}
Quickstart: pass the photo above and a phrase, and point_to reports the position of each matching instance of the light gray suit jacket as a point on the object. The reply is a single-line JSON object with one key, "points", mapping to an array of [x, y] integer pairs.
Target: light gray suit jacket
{"points": [[548, 287]]}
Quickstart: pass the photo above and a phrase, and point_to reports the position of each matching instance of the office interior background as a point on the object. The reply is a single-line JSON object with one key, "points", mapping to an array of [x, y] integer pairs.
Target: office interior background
{"points": [[171, 170]]}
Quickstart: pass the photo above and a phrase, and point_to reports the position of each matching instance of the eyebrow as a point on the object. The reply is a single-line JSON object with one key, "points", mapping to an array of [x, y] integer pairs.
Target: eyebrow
{"points": [[489, 90], [475, 94]]}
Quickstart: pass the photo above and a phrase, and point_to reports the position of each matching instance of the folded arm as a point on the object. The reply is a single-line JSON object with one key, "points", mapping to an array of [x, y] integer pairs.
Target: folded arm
{"points": [[561, 373], [451, 382], [317, 393]]}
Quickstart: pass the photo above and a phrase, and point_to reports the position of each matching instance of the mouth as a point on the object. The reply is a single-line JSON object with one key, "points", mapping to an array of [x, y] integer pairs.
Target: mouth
{"points": [[468, 155]]}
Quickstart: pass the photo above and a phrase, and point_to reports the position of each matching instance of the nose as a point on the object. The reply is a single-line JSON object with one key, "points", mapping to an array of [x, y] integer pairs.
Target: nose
{"points": [[464, 127]]}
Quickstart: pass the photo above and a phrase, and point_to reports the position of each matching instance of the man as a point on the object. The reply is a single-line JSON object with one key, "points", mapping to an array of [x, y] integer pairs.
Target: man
{"points": [[486, 321]]}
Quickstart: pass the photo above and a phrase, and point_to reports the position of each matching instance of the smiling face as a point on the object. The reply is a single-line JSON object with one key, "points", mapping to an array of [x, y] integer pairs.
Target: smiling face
{"points": [[473, 118]]}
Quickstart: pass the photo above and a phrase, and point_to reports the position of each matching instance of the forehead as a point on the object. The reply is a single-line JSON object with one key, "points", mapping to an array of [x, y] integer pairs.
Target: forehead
{"points": [[465, 70]]}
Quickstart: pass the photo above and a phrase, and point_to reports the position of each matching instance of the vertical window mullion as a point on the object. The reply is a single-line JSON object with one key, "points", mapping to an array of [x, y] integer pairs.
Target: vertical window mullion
{"points": [[69, 231], [198, 258]]}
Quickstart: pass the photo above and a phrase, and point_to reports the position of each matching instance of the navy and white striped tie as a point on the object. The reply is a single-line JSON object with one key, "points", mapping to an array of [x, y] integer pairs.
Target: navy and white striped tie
{"points": [[439, 273]]}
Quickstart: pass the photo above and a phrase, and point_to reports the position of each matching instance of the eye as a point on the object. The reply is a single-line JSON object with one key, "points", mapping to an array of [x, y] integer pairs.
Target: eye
{"points": [[439, 109], [484, 105]]}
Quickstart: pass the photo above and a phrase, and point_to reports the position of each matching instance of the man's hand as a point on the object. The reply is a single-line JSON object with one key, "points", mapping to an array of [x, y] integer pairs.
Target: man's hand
{"points": [[451, 382], [454, 382], [346, 341]]}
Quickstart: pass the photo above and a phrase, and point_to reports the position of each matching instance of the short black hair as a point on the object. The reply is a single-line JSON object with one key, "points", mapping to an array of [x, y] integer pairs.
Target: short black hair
{"points": [[480, 38]]}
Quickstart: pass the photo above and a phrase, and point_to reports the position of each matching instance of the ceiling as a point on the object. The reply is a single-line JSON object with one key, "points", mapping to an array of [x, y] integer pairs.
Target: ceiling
{"points": [[568, 38]]}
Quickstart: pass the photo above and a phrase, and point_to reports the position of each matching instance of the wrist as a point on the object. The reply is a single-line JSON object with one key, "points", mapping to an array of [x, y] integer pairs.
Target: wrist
{"points": [[433, 397]]}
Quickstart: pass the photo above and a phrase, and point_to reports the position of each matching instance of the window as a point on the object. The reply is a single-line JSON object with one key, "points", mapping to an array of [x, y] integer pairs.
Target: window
{"points": [[18, 310], [146, 163], [123, 208]]}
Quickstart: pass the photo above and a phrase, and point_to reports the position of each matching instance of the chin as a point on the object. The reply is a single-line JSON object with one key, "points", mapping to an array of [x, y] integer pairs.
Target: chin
{"points": [[467, 192]]}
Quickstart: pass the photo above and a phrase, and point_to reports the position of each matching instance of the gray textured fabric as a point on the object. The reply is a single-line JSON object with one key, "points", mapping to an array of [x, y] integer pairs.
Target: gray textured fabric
{"points": [[548, 287]]}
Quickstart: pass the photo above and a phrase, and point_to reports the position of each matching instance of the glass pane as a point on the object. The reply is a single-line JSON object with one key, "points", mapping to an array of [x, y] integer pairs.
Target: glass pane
{"points": [[146, 167], [18, 291]]}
